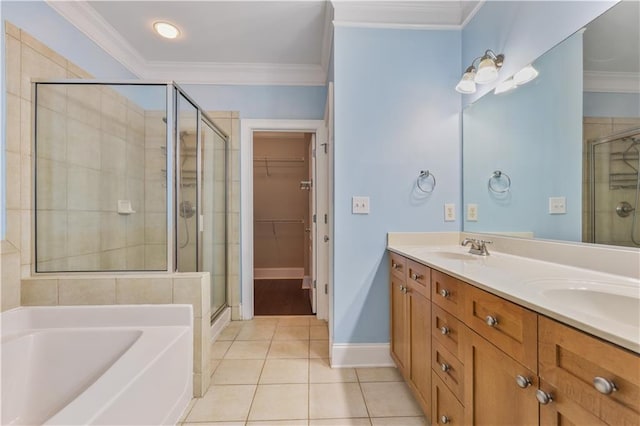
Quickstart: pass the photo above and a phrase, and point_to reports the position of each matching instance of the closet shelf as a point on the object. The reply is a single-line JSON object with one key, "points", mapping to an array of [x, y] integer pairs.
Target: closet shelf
{"points": [[280, 159]]}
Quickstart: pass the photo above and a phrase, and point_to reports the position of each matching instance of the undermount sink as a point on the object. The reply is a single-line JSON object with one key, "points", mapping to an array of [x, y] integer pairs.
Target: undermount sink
{"points": [[611, 301], [455, 256]]}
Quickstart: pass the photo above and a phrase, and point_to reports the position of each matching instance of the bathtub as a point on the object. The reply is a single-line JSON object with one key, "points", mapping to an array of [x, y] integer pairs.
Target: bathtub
{"points": [[109, 365]]}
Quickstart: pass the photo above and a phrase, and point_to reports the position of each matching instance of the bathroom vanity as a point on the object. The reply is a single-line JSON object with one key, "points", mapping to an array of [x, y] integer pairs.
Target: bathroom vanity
{"points": [[504, 339]]}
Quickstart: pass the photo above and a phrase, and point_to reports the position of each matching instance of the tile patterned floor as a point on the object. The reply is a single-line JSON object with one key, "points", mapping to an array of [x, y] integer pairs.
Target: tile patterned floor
{"points": [[274, 371]]}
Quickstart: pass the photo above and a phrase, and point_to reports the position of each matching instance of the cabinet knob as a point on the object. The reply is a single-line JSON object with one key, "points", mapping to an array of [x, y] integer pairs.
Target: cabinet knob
{"points": [[604, 386], [444, 293], [445, 367], [444, 330], [543, 397], [395, 265], [523, 382], [416, 277], [444, 420], [491, 321]]}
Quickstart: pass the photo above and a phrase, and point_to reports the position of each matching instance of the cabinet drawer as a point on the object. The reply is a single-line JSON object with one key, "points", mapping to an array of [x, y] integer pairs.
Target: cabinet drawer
{"points": [[445, 329], [447, 292], [446, 408], [571, 361], [420, 278], [398, 266], [510, 327], [449, 369]]}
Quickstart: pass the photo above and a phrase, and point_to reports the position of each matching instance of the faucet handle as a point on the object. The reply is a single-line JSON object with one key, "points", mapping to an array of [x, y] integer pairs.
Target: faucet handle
{"points": [[486, 241]]}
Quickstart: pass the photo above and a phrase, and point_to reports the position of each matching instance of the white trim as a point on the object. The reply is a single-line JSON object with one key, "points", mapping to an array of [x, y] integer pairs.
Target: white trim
{"points": [[247, 127], [361, 355], [611, 82], [278, 273], [220, 323], [473, 12], [86, 19], [327, 39], [388, 26]]}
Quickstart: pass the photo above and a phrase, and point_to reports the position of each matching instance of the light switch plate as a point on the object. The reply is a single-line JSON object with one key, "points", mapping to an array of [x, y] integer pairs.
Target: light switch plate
{"points": [[360, 205], [557, 205], [472, 212], [449, 212]]}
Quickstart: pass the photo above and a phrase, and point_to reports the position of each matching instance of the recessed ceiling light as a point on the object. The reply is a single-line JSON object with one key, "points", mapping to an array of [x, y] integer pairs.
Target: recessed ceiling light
{"points": [[166, 29]]}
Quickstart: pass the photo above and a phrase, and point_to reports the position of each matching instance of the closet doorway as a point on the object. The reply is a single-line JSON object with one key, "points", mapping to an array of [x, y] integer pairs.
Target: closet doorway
{"points": [[283, 223]]}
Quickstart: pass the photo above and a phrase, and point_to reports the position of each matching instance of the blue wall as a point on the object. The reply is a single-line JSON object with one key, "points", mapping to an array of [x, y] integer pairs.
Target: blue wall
{"points": [[523, 31], [611, 104], [534, 134], [267, 102], [396, 113]]}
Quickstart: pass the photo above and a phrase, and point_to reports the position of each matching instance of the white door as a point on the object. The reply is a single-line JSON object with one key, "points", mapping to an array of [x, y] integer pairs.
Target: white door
{"points": [[313, 237]]}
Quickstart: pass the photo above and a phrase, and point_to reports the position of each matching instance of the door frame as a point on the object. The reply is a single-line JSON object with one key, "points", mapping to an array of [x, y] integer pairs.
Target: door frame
{"points": [[247, 128]]}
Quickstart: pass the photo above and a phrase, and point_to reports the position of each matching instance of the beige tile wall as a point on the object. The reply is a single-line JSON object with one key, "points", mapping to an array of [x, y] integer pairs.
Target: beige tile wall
{"points": [[610, 228], [187, 288]]}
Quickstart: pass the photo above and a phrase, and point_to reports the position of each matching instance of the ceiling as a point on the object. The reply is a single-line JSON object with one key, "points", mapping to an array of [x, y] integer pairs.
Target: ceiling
{"points": [[244, 42]]}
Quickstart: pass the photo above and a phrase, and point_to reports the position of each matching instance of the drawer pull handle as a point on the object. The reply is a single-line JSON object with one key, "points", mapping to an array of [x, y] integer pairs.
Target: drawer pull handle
{"points": [[543, 397], [445, 367], [523, 382], [491, 321], [403, 289], [416, 277], [604, 386], [395, 266], [444, 330], [444, 420], [445, 293]]}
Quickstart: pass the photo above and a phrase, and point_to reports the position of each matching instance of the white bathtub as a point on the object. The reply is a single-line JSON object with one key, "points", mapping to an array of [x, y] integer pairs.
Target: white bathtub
{"points": [[115, 365]]}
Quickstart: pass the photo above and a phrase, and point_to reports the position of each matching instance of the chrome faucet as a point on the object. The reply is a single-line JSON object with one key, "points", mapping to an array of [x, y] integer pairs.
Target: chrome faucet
{"points": [[478, 247]]}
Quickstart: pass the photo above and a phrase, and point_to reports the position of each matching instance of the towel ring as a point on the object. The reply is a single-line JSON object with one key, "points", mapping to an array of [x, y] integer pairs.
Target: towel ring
{"points": [[424, 175], [496, 177]]}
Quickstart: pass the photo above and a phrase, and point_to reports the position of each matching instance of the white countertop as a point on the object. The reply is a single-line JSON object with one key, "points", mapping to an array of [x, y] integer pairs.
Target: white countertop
{"points": [[602, 304]]}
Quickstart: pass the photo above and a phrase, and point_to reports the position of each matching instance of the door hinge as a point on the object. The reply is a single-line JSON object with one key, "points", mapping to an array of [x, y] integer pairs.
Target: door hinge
{"points": [[313, 153], [314, 284], [324, 146], [314, 218], [326, 289], [326, 218]]}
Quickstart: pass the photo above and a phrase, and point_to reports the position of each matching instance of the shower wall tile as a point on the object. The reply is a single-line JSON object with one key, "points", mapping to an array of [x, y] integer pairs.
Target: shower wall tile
{"points": [[155, 228], [194, 291], [113, 234], [135, 230], [25, 182], [135, 161], [83, 104], [83, 232], [42, 49], [87, 262], [113, 187], [39, 293], [144, 290], [35, 65], [87, 291], [83, 145], [52, 134], [155, 257], [135, 258], [53, 97], [26, 128], [74, 71], [52, 235], [12, 136], [13, 227], [113, 154], [83, 188], [25, 237], [114, 260], [12, 173], [13, 49], [9, 276], [155, 196]]}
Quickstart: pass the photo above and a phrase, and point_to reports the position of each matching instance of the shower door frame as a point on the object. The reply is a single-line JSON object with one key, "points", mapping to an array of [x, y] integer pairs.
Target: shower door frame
{"points": [[592, 170]]}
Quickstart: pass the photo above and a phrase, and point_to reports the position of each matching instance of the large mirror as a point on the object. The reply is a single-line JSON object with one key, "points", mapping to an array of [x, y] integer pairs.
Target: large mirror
{"points": [[558, 157]]}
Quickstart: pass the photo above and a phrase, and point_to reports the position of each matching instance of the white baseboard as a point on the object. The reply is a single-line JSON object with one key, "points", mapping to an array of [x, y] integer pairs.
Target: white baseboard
{"points": [[220, 323], [278, 273], [361, 355]]}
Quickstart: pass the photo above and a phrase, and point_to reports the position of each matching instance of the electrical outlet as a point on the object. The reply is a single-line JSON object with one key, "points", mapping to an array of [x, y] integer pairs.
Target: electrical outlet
{"points": [[472, 212], [557, 205], [360, 205], [449, 212]]}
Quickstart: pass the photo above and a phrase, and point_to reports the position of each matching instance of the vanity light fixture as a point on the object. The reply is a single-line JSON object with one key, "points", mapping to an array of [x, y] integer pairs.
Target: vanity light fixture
{"points": [[166, 29], [505, 86], [486, 72]]}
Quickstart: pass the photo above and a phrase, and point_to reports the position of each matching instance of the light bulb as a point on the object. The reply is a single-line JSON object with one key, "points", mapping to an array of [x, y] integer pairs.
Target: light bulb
{"points": [[166, 29], [467, 84], [525, 75], [487, 71]]}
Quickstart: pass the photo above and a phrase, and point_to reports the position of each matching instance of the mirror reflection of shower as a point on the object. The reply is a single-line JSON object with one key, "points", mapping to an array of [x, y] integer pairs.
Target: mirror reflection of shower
{"points": [[187, 209]]}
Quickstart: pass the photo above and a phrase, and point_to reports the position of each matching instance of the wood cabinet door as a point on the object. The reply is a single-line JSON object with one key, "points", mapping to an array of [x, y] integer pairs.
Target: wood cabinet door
{"points": [[399, 326], [492, 396], [562, 411], [420, 357]]}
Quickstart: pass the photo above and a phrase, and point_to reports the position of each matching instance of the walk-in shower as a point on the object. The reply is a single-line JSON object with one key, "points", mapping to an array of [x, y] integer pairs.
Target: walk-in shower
{"points": [[614, 188], [129, 176]]}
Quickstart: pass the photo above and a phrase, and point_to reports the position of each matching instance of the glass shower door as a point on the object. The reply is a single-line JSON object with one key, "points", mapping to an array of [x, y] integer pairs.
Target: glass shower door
{"points": [[214, 236]]}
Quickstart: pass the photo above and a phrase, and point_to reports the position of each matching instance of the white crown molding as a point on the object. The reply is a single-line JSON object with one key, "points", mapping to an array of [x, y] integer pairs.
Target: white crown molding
{"points": [[472, 13], [611, 82], [241, 74], [93, 25], [81, 15], [401, 14]]}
